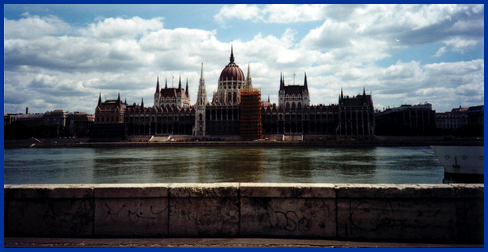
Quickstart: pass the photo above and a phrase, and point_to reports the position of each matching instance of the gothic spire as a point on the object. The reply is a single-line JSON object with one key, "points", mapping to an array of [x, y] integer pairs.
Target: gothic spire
{"points": [[166, 84], [99, 99], [231, 54], [364, 91], [201, 74], [282, 82], [305, 81], [179, 83], [157, 86], [186, 89], [118, 97], [142, 102]]}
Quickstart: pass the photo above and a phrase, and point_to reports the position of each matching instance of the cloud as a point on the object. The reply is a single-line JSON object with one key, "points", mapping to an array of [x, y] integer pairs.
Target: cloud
{"points": [[239, 11], [274, 13], [110, 55], [32, 27], [119, 28]]}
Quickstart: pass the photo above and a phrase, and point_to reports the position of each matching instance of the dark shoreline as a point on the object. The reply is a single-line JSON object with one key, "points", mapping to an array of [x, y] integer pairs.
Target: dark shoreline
{"points": [[9, 144]]}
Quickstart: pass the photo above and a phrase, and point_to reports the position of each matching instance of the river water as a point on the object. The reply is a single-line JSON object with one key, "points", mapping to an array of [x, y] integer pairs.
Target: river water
{"points": [[209, 164]]}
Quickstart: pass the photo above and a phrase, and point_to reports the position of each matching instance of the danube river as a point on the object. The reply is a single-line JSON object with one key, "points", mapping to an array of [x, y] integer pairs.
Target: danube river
{"points": [[209, 164]]}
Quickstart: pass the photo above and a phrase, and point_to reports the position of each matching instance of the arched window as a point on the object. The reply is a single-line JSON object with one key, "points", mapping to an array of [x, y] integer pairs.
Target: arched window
{"points": [[200, 117]]}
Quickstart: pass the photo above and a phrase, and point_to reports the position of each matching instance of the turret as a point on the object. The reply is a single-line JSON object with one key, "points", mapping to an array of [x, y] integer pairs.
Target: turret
{"points": [[248, 79], [305, 82], [179, 83], [282, 82], [157, 86], [142, 102], [99, 99], [186, 89]]}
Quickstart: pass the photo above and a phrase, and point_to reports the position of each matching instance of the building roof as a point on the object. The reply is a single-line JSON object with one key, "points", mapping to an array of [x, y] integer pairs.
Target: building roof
{"points": [[232, 71]]}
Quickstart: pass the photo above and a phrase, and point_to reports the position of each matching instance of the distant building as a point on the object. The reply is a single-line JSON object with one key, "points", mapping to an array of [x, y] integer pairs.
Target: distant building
{"points": [[169, 97], [79, 123], [476, 115], [53, 123], [455, 119], [406, 120], [171, 113]]}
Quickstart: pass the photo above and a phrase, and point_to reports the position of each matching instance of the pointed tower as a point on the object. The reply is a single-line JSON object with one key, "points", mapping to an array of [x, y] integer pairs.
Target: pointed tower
{"points": [[305, 93], [118, 98], [99, 99], [281, 93], [231, 54], [200, 125], [248, 79], [157, 95], [157, 86], [186, 89], [166, 84], [305, 81], [142, 102], [179, 84]]}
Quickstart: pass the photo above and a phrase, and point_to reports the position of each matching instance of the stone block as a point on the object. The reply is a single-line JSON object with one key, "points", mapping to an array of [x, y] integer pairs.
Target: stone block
{"points": [[418, 220], [394, 191], [470, 220], [50, 217], [49, 191], [208, 190], [288, 217], [285, 190], [131, 217], [204, 217], [131, 190]]}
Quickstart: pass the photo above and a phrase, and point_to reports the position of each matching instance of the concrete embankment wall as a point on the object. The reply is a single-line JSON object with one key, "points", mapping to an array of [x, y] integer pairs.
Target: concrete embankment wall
{"points": [[408, 213]]}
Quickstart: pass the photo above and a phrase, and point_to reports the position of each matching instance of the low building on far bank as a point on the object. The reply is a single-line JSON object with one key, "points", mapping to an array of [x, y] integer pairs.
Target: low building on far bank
{"points": [[56, 123], [406, 120], [462, 121]]}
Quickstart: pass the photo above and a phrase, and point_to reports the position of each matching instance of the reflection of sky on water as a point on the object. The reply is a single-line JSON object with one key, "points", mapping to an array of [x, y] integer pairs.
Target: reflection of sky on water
{"points": [[209, 164]]}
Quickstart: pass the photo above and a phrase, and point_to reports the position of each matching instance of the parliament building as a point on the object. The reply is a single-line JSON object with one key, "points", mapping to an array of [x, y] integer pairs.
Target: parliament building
{"points": [[235, 112]]}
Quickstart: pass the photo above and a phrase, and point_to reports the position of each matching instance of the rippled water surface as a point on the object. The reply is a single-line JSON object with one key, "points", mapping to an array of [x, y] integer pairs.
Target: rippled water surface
{"points": [[396, 165]]}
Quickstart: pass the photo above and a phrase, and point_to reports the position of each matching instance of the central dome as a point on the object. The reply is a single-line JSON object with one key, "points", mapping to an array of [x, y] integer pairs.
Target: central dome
{"points": [[232, 71]]}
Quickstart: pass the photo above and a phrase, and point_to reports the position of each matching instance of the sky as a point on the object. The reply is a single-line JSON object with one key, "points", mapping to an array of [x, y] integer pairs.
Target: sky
{"points": [[64, 56]]}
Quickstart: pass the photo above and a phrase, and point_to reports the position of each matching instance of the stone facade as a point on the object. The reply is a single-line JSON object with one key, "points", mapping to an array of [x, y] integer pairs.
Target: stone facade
{"points": [[351, 117]]}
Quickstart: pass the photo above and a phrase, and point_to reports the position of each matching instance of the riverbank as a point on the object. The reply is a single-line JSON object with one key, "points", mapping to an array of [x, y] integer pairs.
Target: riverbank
{"points": [[378, 141]]}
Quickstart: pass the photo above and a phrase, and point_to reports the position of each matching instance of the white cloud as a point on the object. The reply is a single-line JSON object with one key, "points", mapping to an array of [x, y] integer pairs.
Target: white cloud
{"points": [[125, 55], [239, 11], [119, 28], [32, 27]]}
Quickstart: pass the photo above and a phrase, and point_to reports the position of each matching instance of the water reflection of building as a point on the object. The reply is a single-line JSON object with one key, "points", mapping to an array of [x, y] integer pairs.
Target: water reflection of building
{"points": [[172, 113]]}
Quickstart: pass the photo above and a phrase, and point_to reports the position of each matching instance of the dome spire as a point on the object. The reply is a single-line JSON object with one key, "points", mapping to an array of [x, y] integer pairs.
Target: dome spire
{"points": [[231, 53]]}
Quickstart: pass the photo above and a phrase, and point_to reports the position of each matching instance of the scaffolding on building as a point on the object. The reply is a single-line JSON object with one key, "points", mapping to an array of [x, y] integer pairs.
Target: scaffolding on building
{"points": [[250, 114]]}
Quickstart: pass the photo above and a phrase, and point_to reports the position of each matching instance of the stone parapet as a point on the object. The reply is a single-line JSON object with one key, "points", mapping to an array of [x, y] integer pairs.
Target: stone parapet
{"points": [[373, 212]]}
